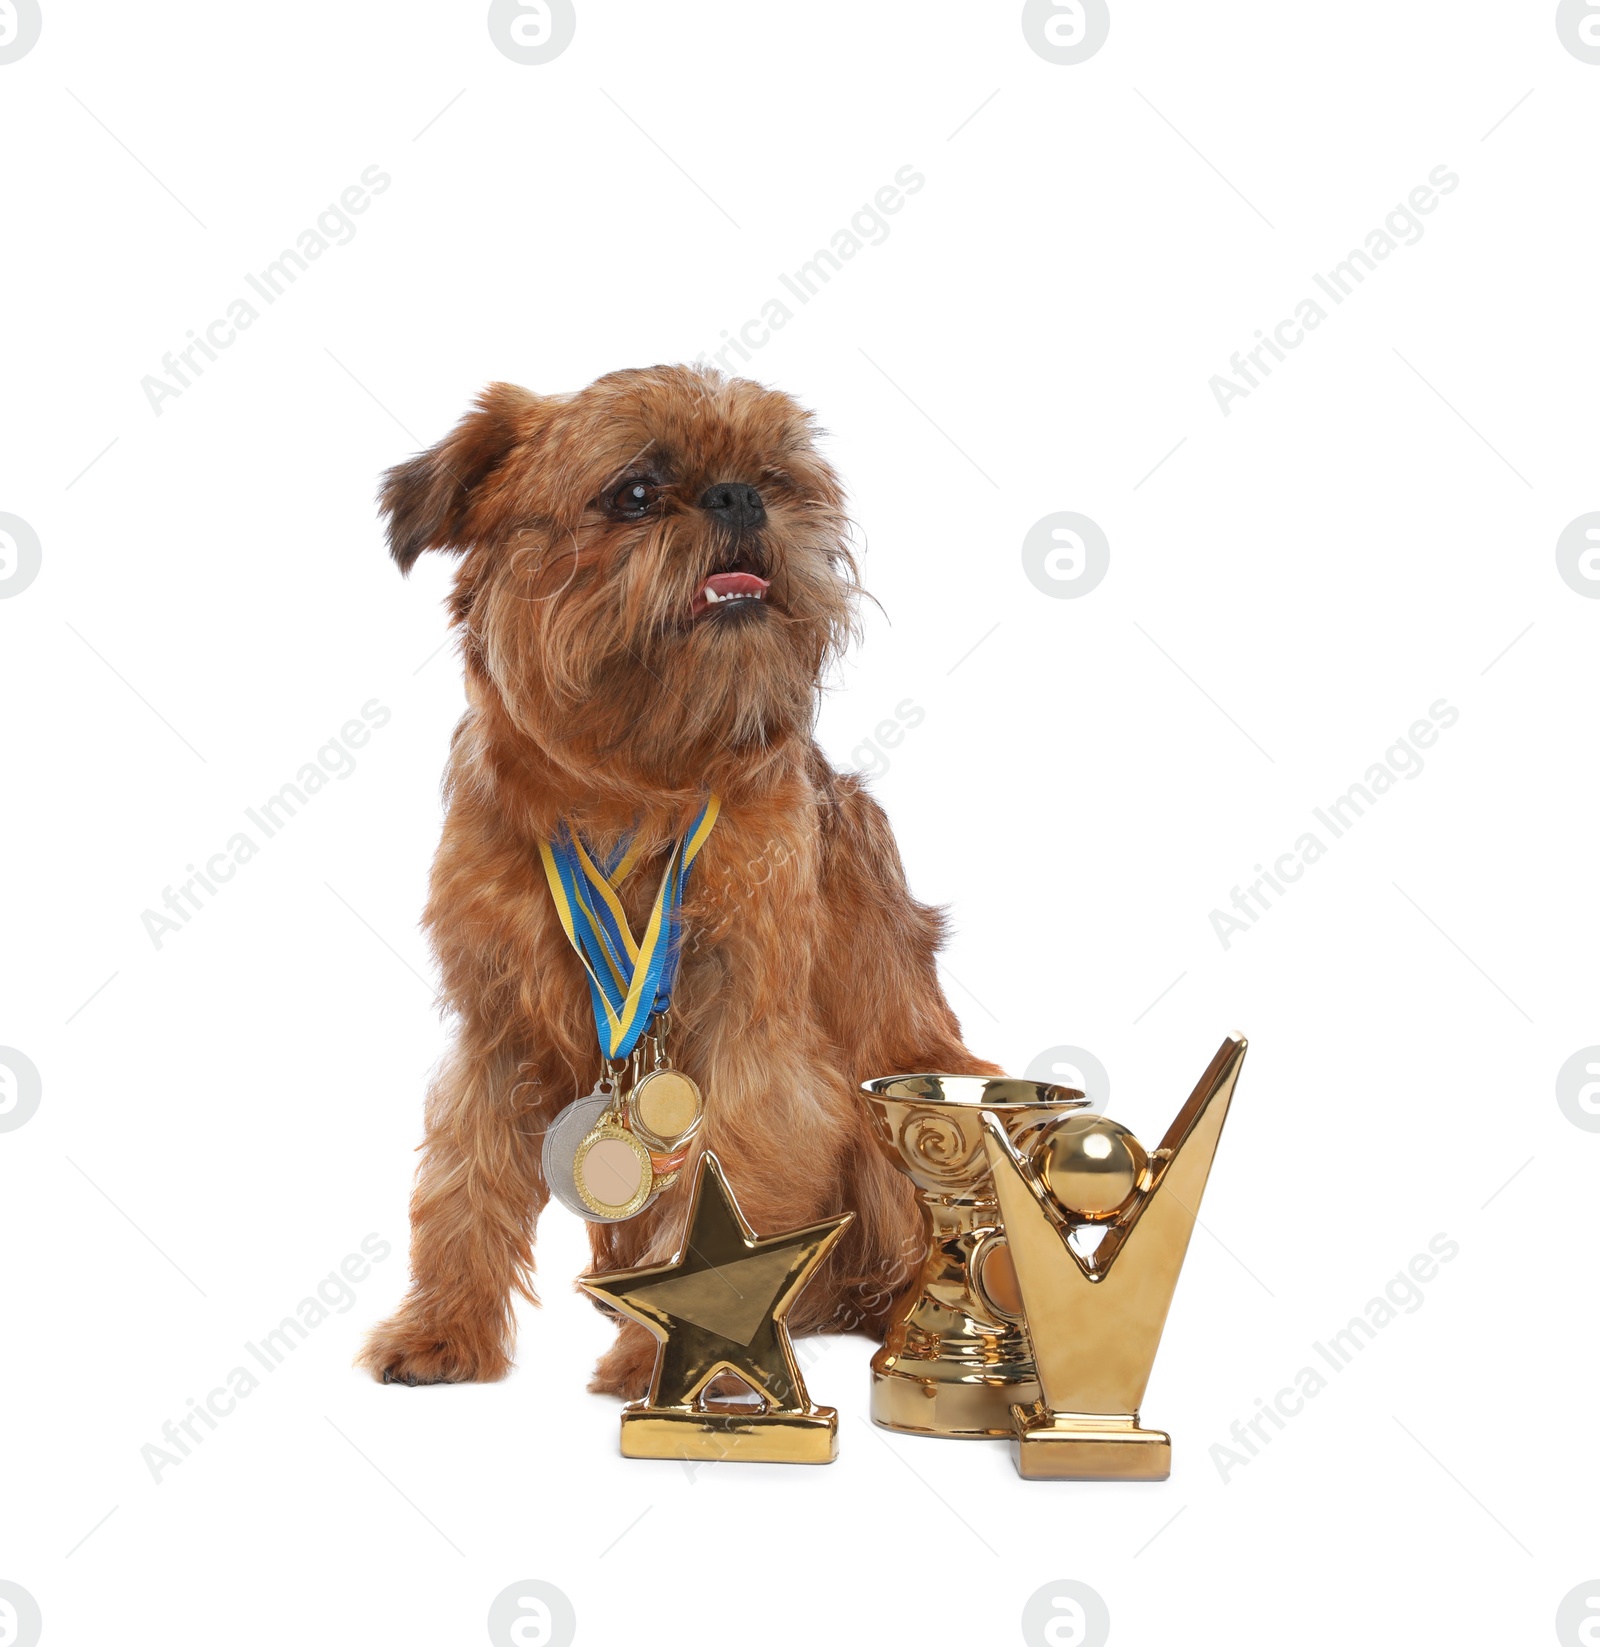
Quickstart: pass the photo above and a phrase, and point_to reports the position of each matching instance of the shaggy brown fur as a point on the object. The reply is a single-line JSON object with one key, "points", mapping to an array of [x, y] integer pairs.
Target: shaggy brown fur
{"points": [[597, 696]]}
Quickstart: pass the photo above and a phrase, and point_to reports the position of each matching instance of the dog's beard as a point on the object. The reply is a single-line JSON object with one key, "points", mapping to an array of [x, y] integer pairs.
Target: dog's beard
{"points": [[606, 657]]}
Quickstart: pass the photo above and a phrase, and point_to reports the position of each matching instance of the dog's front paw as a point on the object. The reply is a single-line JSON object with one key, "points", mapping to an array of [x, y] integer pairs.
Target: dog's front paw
{"points": [[626, 1367], [402, 1351]]}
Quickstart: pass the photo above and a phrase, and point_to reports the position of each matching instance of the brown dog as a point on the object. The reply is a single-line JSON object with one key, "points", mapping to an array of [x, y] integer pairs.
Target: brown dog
{"points": [[611, 685]]}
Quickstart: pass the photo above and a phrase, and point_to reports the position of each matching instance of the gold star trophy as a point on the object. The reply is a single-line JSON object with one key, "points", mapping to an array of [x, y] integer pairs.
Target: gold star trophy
{"points": [[1095, 1321], [720, 1307]]}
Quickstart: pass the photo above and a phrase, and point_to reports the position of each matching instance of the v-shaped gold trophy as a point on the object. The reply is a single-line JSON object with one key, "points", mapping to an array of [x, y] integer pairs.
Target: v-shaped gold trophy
{"points": [[1095, 1319]]}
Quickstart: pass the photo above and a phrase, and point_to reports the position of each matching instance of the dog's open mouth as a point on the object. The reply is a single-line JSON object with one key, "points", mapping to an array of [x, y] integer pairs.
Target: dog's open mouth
{"points": [[725, 588]]}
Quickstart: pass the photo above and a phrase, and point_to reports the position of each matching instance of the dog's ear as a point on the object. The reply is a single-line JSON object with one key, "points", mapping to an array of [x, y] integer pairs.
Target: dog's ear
{"points": [[430, 498]]}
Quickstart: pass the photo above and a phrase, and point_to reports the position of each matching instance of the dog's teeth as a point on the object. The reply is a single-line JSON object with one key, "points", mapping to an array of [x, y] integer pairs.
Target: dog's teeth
{"points": [[712, 598]]}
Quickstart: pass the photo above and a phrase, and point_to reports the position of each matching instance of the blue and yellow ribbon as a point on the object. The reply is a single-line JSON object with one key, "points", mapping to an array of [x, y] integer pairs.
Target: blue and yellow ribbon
{"points": [[629, 978]]}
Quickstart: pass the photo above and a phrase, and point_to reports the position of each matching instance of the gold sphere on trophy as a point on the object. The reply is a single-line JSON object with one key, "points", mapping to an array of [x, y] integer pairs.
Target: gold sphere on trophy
{"points": [[1092, 1166]]}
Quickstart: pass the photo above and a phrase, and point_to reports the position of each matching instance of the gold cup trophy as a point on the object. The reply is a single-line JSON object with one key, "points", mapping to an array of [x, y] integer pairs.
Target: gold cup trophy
{"points": [[1054, 1248], [956, 1355]]}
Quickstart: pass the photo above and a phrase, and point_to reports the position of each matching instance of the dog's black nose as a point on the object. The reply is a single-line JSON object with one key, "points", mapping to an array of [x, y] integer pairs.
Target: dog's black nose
{"points": [[735, 505]]}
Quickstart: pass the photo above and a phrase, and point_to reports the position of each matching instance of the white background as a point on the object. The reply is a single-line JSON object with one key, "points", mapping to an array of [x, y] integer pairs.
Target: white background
{"points": [[226, 1116]]}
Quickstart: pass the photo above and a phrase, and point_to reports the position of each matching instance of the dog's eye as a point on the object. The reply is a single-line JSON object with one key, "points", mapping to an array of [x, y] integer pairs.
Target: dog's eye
{"points": [[632, 499]]}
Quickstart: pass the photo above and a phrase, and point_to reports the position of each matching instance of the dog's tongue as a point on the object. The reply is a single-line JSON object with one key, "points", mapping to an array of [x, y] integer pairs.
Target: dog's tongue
{"points": [[721, 586]]}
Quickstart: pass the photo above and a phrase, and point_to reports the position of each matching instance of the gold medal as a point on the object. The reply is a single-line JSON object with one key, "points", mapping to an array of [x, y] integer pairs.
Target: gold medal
{"points": [[664, 1109], [612, 1171]]}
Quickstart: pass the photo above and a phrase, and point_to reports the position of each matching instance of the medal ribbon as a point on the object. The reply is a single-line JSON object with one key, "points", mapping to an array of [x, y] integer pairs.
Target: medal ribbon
{"points": [[629, 978]]}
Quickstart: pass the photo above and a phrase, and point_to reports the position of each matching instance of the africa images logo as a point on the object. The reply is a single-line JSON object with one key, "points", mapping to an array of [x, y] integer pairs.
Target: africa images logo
{"points": [[1066, 31], [20, 1091], [1065, 555], [1577, 555], [20, 23], [20, 555], [1578, 28], [532, 31], [20, 1623]]}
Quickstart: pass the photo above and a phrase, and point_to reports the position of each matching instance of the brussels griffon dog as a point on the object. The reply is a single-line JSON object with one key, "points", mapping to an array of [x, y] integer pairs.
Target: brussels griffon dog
{"points": [[655, 576]]}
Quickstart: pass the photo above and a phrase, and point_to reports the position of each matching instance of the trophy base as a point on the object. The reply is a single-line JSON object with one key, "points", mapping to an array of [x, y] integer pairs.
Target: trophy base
{"points": [[1087, 1447], [712, 1437], [948, 1400]]}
